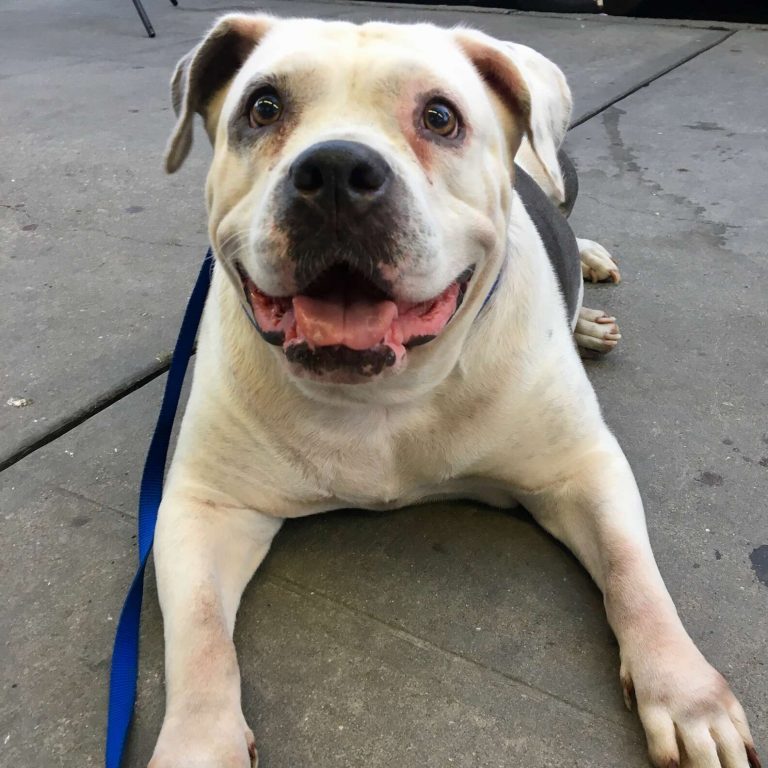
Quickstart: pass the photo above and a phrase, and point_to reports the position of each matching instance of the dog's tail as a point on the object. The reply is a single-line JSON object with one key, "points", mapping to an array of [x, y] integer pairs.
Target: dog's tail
{"points": [[570, 182]]}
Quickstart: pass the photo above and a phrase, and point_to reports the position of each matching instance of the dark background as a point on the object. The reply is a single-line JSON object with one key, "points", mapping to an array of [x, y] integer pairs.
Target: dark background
{"points": [[755, 11]]}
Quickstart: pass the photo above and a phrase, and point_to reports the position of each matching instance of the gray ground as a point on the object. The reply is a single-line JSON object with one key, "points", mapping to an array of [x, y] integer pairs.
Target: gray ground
{"points": [[444, 635]]}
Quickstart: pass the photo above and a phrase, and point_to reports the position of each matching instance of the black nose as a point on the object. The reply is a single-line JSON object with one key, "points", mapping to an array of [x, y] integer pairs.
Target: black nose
{"points": [[341, 174]]}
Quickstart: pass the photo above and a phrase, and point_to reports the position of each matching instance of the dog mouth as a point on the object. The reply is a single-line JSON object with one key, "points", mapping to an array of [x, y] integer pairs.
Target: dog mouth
{"points": [[343, 320]]}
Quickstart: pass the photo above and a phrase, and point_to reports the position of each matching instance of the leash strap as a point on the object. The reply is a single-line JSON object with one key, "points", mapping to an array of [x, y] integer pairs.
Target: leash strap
{"points": [[125, 654]]}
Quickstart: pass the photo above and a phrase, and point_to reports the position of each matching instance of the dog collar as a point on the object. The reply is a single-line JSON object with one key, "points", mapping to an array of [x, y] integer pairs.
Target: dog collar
{"points": [[495, 285], [492, 291]]}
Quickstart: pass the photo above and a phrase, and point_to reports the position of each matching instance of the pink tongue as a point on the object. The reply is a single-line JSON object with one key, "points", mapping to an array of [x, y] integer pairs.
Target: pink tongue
{"points": [[359, 325]]}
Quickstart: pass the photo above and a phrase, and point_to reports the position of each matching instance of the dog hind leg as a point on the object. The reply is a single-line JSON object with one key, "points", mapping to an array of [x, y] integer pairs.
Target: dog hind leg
{"points": [[596, 331], [597, 265]]}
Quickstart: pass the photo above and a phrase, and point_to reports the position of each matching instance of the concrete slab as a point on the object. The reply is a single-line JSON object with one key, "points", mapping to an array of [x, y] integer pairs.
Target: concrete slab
{"points": [[63, 569], [100, 247]]}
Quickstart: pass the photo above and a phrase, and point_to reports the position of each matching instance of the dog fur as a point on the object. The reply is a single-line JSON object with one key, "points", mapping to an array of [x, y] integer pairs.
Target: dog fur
{"points": [[497, 407]]}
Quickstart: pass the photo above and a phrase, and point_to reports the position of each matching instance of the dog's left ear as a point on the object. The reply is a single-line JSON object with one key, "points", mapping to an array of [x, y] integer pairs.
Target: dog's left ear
{"points": [[532, 87]]}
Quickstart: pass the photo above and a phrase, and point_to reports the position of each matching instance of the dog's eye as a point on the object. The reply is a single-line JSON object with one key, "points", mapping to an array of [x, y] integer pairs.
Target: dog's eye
{"points": [[267, 108], [441, 119]]}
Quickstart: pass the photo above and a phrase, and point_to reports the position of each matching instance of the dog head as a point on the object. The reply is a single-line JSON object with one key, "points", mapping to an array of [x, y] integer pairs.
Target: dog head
{"points": [[361, 184]]}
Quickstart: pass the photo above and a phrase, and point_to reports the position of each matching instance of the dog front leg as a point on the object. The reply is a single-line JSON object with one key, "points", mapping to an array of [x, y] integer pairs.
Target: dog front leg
{"points": [[685, 705], [205, 554]]}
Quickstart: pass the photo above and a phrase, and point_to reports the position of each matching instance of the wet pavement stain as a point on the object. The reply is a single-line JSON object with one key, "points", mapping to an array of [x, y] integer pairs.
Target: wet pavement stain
{"points": [[709, 478], [759, 559], [621, 155], [703, 126]]}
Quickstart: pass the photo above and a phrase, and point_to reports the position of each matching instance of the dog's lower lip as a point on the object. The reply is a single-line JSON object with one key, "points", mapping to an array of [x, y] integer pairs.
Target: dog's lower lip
{"points": [[344, 320]]}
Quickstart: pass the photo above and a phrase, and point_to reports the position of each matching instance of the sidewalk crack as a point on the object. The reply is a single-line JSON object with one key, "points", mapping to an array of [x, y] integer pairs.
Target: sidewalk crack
{"points": [[422, 643], [651, 79]]}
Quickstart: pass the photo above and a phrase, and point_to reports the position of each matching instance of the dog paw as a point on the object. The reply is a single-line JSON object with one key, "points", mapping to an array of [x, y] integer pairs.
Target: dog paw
{"points": [[216, 740], [597, 265], [595, 331], [690, 716]]}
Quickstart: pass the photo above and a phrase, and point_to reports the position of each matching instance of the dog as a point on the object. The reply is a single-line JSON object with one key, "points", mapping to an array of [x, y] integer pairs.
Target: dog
{"points": [[391, 320]]}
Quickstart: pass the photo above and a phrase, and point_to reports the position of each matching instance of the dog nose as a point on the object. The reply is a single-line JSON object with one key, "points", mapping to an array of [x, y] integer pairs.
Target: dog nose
{"points": [[341, 174]]}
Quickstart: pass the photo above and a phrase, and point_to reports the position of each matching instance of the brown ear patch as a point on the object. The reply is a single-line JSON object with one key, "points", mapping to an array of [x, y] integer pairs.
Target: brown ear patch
{"points": [[501, 75], [204, 71]]}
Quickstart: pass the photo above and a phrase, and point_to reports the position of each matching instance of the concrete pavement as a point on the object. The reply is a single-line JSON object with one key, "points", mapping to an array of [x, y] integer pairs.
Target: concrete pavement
{"points": [[444, 635]]}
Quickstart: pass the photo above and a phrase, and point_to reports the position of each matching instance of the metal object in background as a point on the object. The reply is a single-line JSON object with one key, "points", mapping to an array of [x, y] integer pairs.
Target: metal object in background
{"points": [[145, 19]]}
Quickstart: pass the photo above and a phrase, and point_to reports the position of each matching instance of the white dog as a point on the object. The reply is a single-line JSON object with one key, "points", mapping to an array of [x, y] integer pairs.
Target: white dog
{"points": [[390, 321]]}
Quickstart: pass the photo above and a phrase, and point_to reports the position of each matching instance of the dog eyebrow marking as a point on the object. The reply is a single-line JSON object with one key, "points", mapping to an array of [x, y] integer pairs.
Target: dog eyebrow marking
{"points": [[262, 80]]}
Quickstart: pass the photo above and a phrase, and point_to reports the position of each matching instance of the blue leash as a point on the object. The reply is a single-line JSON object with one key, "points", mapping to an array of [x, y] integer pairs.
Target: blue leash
{"points": [[125, 654]]}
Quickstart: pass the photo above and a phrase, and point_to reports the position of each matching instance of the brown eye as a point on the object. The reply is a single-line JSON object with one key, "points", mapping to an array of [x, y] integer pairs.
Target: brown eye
{"points": [[440, 119], [265, 110]]}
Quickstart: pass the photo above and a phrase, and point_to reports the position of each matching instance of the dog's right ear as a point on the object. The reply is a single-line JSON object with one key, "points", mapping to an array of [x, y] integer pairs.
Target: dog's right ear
{"points": [[202, 72]]}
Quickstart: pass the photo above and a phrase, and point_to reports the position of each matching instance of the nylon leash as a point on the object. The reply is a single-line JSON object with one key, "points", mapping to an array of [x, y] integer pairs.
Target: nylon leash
{"points": [[125, 654]]}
